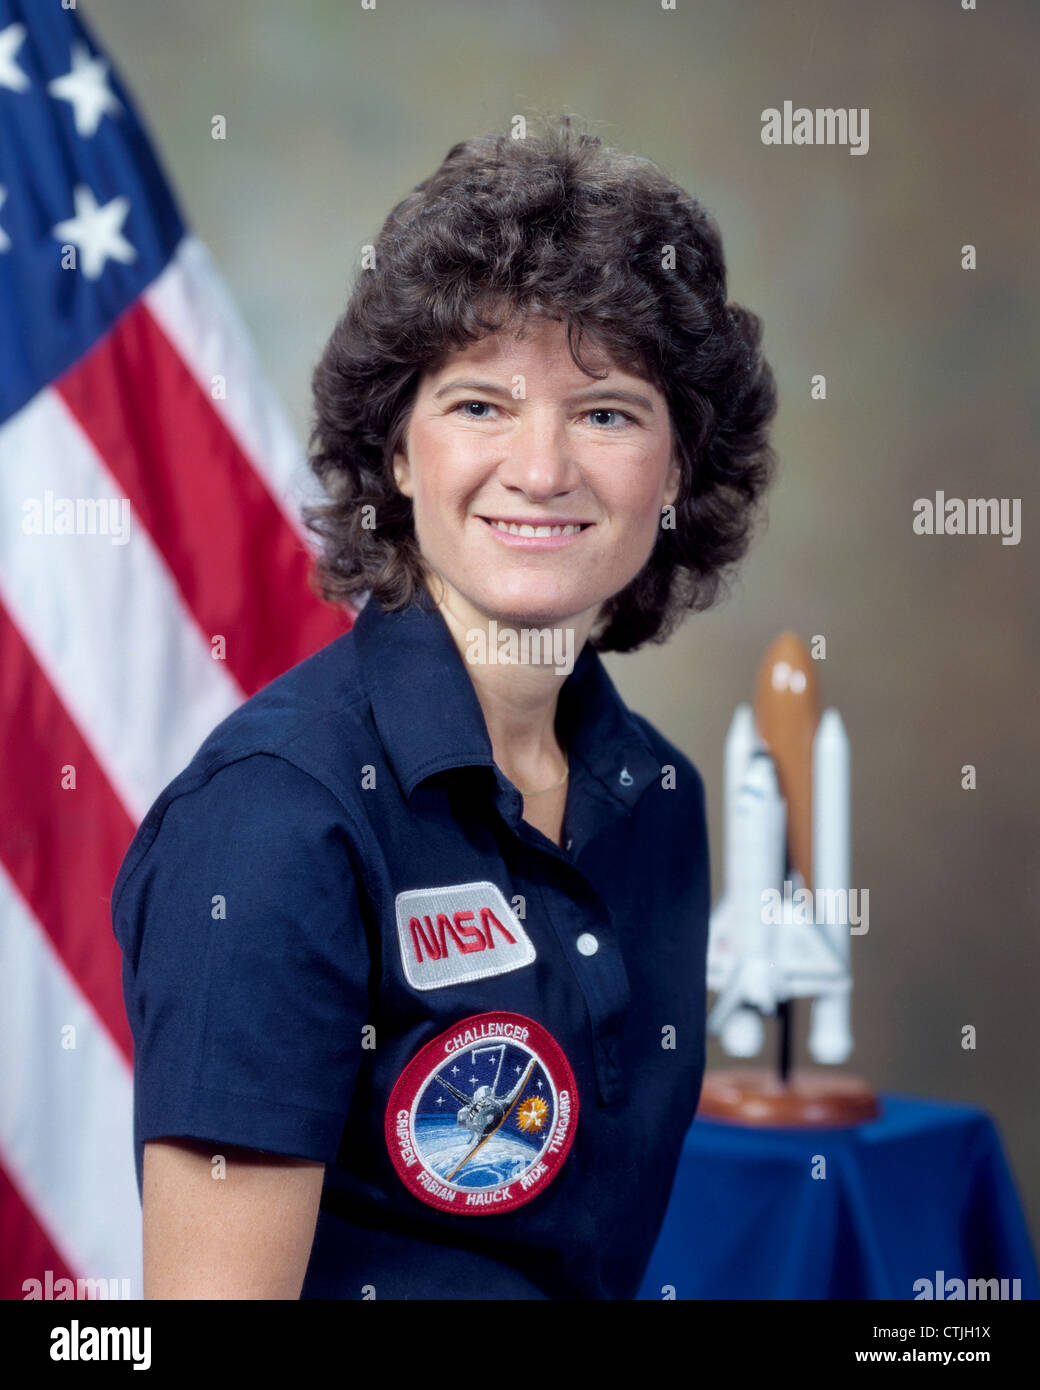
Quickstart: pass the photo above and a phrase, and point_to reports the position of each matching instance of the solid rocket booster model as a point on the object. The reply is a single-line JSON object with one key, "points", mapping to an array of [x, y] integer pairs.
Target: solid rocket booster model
{"points": [[786, 827]]}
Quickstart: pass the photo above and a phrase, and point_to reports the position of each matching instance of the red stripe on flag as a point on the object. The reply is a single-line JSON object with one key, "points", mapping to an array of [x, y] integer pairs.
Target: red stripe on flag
{"points": [[26, 1251], [242, 569], [62, 847]]}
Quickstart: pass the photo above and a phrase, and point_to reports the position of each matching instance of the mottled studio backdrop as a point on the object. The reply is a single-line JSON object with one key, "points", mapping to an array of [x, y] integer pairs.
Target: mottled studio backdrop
{"points": [[855, 264]]}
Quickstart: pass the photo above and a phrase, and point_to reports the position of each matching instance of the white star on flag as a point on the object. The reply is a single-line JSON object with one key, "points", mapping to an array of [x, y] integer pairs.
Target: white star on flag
{"points": [[95, 230], [11, 74], [86, 87], [5, 240]]}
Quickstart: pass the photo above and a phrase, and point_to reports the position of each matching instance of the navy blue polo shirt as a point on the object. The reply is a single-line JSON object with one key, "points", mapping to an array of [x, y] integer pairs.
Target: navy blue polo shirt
{"points": [[341, 941]]}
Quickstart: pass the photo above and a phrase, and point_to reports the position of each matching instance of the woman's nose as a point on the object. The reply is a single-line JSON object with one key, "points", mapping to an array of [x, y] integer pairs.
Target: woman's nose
{"points": [[539, 458]]}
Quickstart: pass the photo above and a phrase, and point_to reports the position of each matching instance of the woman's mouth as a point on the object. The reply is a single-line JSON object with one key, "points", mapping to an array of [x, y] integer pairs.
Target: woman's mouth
{"points": [[535, 535]]}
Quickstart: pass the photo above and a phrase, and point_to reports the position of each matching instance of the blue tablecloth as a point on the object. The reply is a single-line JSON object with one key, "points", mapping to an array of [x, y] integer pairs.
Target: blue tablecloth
{"points": [[924, 1188]]}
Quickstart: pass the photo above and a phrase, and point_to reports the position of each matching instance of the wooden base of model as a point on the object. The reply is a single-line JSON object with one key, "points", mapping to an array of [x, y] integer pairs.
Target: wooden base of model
{"points": [[808, 1099]]}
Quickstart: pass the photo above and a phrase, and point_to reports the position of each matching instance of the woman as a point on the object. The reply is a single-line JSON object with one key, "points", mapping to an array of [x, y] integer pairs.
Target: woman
{"points": [[415, 946]]}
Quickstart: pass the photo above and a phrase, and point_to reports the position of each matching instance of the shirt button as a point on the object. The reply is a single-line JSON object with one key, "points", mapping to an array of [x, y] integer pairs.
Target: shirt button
{"points": [[587, 944]]}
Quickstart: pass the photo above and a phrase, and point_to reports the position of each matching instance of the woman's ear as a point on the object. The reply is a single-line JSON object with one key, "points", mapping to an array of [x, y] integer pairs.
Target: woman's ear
{"points": [[671, 491], [402, 472]]}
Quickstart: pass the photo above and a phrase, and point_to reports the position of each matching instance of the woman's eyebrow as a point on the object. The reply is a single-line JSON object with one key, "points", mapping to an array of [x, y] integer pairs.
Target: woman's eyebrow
{"points": [[595, 393], [490, 388], [614, 393]]}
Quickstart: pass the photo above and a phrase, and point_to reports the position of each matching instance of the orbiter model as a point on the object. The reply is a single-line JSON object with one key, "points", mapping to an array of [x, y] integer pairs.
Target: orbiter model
{"points": [[786, 821]]}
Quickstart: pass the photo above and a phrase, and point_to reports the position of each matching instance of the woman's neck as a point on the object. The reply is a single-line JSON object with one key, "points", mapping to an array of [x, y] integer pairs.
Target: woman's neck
{"points": [[518, 700]]}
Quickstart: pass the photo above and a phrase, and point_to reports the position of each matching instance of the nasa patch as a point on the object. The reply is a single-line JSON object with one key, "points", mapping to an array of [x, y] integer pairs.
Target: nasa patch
{"points": [[463, 931], [483, 1116]]}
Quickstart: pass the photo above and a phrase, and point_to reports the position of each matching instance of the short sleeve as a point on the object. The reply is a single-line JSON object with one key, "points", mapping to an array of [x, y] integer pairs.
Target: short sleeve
{"points": [[245, 964]]}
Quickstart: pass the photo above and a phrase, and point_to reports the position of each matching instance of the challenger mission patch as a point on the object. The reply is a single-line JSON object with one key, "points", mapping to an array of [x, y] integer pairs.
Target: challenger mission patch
{"points": [[483, 1116]]}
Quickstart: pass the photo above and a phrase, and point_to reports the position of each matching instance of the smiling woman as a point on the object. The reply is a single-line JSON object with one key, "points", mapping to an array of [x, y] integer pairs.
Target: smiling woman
{"points": [[415, 946], [482, 488]]}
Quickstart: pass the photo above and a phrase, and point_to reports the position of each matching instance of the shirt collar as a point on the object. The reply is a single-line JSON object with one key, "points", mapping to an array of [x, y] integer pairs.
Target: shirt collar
{"points": [[429, 719]]}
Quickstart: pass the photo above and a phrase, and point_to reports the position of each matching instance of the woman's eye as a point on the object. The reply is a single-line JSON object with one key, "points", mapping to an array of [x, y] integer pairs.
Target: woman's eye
{"points": [[609, 410], [462, 406]]}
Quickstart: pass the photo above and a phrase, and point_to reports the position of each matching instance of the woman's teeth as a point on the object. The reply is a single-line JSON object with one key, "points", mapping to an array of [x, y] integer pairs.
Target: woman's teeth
{"points": [[515, 530]]}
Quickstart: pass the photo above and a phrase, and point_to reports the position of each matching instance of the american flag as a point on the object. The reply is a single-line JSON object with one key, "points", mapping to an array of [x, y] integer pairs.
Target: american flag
{"points": [[153, 574]]}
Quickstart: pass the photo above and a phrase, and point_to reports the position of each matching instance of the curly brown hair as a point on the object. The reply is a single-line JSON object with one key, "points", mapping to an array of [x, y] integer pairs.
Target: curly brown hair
{"points": [[560, 225]]}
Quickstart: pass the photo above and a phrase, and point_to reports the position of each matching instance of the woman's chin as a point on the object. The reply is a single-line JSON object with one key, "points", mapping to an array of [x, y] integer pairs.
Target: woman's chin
{"points": [[529, 613]]}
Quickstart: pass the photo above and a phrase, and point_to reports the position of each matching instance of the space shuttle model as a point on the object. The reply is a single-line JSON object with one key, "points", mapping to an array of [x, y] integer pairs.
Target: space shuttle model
{"points": [[786, 820]]}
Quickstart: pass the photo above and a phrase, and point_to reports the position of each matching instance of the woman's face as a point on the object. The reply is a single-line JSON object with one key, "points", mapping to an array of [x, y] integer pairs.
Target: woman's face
{"points": [[513, 430]]}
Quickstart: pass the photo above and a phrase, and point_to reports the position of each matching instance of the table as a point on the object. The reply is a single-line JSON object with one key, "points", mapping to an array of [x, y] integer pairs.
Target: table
{"points": [[923, 1192]]}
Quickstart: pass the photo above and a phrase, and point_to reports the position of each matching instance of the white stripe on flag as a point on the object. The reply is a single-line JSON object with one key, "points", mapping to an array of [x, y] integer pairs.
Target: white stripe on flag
{"points": [[66, 1113], [105, 621], [193, 307]]}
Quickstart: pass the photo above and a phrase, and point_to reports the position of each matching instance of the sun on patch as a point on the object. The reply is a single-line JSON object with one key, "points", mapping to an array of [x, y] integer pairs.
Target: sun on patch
{"points": [[533, 1114], [483, 1116]]}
